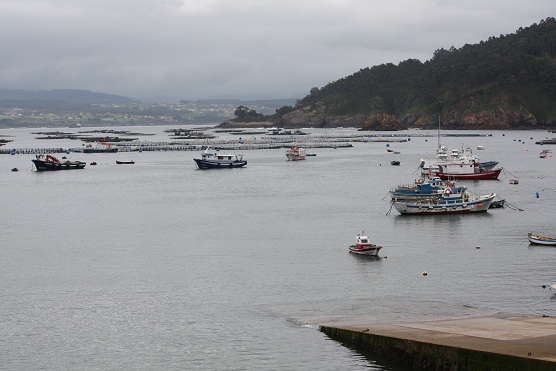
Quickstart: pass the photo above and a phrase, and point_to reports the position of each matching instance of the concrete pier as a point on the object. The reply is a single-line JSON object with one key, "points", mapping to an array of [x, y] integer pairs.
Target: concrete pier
{"points": [[497, 342]]}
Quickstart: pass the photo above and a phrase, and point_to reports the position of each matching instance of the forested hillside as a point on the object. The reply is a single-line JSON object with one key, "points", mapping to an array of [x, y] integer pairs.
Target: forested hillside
{"points": [[507, 81]]}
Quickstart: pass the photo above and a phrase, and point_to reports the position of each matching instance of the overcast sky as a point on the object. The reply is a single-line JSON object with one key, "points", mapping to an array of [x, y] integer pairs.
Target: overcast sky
{"points": [[245, 49]]}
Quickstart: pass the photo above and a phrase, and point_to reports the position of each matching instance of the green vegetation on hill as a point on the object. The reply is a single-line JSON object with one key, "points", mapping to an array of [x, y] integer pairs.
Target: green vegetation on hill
{"points": [[511, 73]]}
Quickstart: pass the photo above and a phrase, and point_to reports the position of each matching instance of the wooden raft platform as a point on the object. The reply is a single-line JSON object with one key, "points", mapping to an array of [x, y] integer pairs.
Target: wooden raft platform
{"points": [[502, 341]]}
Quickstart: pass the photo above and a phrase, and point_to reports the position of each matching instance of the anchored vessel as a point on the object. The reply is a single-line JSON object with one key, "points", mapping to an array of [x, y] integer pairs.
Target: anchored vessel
{"points": [[217, 160], [102, 147], [364, 247], [541, 240], [296, 154], [447, 200], [51, 163]]}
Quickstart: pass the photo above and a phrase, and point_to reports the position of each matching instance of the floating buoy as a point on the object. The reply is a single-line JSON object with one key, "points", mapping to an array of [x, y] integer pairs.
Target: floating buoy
{"points": [[544, 286], [537, 194], [425, 273]]}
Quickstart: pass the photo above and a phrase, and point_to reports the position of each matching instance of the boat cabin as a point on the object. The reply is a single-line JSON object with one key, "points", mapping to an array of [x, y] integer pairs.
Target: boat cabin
{"points": [[362, 239]]}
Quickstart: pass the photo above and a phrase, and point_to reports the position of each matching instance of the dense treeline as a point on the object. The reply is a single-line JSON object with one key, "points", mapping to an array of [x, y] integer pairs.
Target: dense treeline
{"points": [[515, 71]]}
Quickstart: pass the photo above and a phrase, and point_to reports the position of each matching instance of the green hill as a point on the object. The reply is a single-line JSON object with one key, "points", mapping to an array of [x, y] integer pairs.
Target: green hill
{"points": [[504, 82]]}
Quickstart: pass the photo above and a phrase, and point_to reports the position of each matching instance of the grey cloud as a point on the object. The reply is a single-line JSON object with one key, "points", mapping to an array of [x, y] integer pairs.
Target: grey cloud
{"points": [[192, 49]]}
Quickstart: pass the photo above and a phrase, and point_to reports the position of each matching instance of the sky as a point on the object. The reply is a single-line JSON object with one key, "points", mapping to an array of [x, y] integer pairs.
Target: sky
{"points": [[169, 50]]}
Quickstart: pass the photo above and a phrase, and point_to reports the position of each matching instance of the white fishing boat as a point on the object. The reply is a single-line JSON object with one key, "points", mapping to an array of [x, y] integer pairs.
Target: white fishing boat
{"points": [[364, 247], [450, 200], [296, 154]]}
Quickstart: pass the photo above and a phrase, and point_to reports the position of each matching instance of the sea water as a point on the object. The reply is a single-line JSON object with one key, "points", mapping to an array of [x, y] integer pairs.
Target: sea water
{"points": [[158, 265]]}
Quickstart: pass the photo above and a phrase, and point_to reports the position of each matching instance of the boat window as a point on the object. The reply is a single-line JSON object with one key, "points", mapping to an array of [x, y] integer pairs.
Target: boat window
{"points": [[364, 240]]}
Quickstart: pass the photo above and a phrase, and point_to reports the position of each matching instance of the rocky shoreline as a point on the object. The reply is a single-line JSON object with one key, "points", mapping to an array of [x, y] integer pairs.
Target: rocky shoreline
{"points": [[501, 119]]}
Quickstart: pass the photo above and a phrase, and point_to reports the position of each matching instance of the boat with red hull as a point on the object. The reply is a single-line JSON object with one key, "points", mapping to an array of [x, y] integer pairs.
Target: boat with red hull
{"points": [[364, 247], [472, 171]]}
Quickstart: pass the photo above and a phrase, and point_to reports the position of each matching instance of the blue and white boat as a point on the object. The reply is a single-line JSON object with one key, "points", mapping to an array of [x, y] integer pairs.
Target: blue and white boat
{"points": [[541, 240], [420, 188], [447, 200]]}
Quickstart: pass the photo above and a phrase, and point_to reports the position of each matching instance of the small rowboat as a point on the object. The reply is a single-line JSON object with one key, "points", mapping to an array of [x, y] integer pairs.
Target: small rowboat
{"points": [[541, 240], [125, 162]]}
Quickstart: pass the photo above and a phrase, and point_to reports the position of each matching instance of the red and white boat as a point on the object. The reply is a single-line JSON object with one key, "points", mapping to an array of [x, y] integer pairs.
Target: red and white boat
{"points": [[364, 247], [466, 170], [296, 154]]}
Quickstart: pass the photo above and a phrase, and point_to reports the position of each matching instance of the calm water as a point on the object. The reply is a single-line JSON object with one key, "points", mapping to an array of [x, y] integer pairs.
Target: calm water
{"points": [[158, 265]]}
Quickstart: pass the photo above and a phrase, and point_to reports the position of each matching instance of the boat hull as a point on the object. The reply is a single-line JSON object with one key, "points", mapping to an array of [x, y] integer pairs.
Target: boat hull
{"points": [[369, 250], [477, 205], [208, 164], [294, 157], [486, 175], [54, 166], [541, 240]]}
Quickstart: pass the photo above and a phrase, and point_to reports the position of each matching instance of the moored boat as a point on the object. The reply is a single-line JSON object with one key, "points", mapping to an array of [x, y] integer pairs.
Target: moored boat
{"points": [[395, 163], [456, 157], [218, 160], [450, 200], [364, 247], [102, 147], [296, 154], [51, 163], [471, 170], [541, 240], [420, 188], [125, 162]]}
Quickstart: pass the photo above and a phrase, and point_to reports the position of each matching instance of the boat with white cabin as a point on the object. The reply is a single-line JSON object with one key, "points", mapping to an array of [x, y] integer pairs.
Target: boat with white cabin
{"points": [[296, 154], [364, 247], [447, 200], [217, 160]]}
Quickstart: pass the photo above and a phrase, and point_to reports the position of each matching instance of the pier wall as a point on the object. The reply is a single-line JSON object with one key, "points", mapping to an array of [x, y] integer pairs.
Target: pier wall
{"points": [[418, 355]]}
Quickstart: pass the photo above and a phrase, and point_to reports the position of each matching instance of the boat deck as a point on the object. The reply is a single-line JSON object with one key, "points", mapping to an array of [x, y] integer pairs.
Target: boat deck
{"points": [[503, 341]]}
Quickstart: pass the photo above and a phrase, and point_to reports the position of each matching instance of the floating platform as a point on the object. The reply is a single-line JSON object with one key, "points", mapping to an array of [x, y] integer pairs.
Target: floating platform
{"points": [[503, 341]]}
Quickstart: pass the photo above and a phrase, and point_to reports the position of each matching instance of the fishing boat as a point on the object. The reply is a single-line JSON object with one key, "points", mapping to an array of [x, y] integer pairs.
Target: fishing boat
{"points": [[296, 154], [125, 162], [420, 188], [451, 200], [514, 181], [364, 247], [219, 160], [442, 157], [51, 163], [541, 240], [102, 147], [466, 170], [395, 163]]}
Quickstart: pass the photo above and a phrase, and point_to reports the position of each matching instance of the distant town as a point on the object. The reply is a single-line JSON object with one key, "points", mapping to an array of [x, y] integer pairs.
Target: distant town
{"points": [[36, 114]]}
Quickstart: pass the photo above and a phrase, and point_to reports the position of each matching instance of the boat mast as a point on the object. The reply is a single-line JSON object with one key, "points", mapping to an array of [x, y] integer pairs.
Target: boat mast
{"points": [[438, 134]]}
